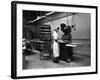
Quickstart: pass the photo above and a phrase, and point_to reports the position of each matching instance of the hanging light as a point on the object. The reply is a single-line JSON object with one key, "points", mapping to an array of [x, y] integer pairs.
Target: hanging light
{"points": [[67, 20], [38, 16], [73, 21]]}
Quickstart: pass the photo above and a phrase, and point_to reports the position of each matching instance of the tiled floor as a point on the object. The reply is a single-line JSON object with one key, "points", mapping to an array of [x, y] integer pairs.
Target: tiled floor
{"points": [[32, 61]]}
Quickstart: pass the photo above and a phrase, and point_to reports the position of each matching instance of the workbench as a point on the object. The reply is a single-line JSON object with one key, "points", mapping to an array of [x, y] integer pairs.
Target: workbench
{"points": [[67, 50]]}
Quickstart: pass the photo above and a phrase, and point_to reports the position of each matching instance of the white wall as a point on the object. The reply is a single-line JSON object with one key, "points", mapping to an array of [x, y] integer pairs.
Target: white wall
{"points": [[82, 25]]}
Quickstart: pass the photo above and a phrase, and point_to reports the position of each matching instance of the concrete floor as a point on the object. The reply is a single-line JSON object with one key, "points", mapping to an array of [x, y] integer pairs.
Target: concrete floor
{"points": [[32, 61]]}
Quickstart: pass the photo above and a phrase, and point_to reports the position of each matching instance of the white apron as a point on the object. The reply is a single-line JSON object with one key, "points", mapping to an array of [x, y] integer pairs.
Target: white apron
{"points": [[55, 45]]}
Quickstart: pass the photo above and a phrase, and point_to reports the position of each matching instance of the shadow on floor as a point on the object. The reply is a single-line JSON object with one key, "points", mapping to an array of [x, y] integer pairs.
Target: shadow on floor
{"points": [[32, 61]]}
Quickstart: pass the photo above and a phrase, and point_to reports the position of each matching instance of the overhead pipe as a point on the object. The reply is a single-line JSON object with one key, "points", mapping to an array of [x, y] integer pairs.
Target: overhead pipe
{"points": [[38, 17]]}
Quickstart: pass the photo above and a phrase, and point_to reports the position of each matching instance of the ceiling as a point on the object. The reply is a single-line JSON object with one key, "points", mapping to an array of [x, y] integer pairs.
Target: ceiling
{"points": [[29, 15], [32, 15]]}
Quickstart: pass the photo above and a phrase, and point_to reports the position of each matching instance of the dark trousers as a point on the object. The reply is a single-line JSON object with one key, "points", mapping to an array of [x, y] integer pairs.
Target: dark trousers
{"points": [[65, 52], [56, 59]]}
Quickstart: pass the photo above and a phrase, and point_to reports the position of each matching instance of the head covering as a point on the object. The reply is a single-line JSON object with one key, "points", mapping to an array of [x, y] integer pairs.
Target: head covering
{"points": [[57, 28], [65, 29], [62, 25]]}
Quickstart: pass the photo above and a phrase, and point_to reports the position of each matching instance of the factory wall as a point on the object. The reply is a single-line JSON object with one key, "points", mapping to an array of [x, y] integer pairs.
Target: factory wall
{"points": [[30, 31], [82, 22]]}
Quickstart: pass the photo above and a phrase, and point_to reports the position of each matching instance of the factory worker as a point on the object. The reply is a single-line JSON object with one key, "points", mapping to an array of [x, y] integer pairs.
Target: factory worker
{"points": [[67, 38], [55, 45], [67, 33]]}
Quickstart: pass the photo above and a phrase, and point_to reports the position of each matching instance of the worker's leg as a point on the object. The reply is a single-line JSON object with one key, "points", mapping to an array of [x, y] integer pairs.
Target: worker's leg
{"points": [[55, 59], [70, 55]]}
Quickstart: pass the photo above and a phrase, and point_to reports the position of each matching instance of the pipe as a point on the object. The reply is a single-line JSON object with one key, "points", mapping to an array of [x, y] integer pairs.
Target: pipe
{"points": [[38, 18]]}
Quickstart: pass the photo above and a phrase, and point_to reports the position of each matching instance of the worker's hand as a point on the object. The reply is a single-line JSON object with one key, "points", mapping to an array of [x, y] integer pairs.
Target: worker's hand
{"points": [[56, 40]]}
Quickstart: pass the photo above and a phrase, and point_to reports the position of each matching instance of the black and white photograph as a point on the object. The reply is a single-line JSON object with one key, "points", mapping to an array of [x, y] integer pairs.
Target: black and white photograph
{"points": [[56, 39], [53, 39]]}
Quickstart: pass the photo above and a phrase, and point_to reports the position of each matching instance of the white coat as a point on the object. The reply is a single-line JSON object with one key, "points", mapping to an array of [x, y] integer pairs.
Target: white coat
{"points": [[55, 44]]}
